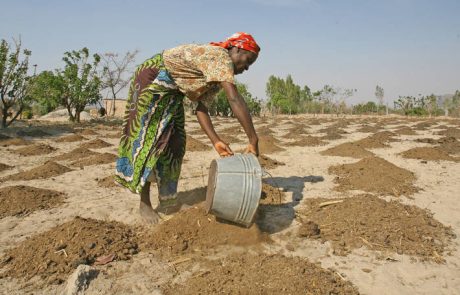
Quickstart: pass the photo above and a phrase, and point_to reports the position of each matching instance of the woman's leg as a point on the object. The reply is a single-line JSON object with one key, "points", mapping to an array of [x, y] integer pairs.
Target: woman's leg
{"points": [[145, 208]]}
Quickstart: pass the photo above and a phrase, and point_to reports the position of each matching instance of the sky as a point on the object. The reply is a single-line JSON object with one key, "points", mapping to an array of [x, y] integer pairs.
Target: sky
{"points": [[408, 47]]}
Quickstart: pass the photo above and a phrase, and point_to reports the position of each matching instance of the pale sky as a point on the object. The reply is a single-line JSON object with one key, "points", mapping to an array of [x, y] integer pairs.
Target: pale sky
{"points": [[408, 47]]}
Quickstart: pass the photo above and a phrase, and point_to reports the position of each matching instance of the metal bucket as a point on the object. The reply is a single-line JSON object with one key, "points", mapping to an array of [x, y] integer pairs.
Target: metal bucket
{"points": [[234, 188]]}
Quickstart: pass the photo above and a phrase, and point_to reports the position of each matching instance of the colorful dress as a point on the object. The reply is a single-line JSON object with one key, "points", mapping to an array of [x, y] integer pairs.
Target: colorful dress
{"points": [[153, 139]]}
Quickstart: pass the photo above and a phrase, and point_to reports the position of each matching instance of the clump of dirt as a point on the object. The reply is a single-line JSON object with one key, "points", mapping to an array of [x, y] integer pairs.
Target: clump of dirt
{"points": [[107, 182], [269, 144], [377, 140], [269, 163], [95, 144], [193, 230], [35, 150], [369, 129], [87, 132], [4, 167], [98, 159], [71, 138], [307, 141], [47, 170], [379, 225], [245, 273], [450, 132], [271, 195], [309, 229], [54, 254], [22, 200], [194, 145], [347, 149], [429, 154], [376, 175], [77, 153], [406, 130], [14, 142], [32, 133]]}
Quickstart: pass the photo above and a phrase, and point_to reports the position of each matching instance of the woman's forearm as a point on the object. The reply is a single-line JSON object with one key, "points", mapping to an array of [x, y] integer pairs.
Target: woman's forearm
{"points": [[206, 123]]}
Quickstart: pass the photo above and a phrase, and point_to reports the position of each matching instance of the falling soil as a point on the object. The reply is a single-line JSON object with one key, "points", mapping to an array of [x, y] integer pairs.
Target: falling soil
{"points": [[86, 132], [405, 131], [71, 138], [35, 150], [47, 170], [451, 132], [194, 145], [193, 230], [98, 159], [95, 144], [269, 163], [376, 175], [429, 154], [32, 133], [379, 225], [22, 200], [54, 254], [377, 140], [348, 149], [269, 144], [78, 153], [4, 167], [246, 273], [271, 195], [14, 142], [307, 141], [107, 182]]}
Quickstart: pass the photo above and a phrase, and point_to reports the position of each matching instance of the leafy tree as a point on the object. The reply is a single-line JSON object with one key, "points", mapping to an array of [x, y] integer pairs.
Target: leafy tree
{"points": [[82, 83], [221, 106], [14, 81], [286, 96], [411, 105], [114, 72], [47, 89], [379, 94], [365, 108], [431, 104], [325, 96]]}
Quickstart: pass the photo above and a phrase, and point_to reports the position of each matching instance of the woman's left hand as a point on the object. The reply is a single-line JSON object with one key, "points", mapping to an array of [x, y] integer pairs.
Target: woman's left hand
{"points": [[223, 149]]}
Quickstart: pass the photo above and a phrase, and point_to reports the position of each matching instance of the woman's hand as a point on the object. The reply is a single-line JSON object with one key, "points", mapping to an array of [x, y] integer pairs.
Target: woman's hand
{"points": [[253, 149], [223, 149]]}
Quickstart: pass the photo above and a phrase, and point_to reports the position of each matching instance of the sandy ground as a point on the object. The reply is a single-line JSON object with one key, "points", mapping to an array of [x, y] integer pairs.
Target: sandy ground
{"points": [[304, 176]]}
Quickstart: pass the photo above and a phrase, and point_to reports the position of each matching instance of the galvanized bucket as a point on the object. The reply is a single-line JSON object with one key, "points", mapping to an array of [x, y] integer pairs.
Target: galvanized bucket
{"points": [[234, 188]]}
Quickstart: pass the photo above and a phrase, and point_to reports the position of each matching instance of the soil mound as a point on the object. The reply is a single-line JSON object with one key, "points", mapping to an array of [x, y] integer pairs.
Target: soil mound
{"points": [[111, 135], [379, 225], [3, 136], [193, 230], [54, 254], [271, 195], [106, 182], [22, 200], [424, 125], [269, 163], [331, 136], [348, 149], [429, 154], [377, 140], [405, 131], [194, 145], [229, 138], [14, 142], [374, 175], [450, 132], [450, 145], [77, 153], [264, 130], [369, 129], [245, 273], [35, 150], [86, 132], [32, 133], [4, 167], [71, 138], [234, 131], [269, 144], [95, 144], [47, 170], [307, 141], [296, 132], [98, 159]]}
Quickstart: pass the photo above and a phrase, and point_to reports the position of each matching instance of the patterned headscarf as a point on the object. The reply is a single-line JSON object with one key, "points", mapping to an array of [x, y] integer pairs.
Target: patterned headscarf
{"points": [[240, 40]]}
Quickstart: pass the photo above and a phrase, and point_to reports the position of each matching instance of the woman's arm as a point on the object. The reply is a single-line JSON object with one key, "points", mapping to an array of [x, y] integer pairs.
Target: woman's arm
{"points": [[202, 115], [241, 112]]}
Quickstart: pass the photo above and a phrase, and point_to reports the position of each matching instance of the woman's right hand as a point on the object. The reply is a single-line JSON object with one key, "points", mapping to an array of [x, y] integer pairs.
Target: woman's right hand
{"points": [[223, 149]]}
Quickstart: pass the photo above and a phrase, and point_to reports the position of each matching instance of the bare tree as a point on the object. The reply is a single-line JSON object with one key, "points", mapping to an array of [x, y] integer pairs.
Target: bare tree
{"points": [[379, 93], [115, 69]]}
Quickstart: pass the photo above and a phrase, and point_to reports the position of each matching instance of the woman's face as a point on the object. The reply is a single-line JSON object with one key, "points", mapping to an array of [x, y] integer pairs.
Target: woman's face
{"points": [[242, 59]]}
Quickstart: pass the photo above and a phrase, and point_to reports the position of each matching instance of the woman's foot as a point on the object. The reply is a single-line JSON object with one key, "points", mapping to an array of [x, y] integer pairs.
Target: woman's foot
{"points": [[148, 214]]}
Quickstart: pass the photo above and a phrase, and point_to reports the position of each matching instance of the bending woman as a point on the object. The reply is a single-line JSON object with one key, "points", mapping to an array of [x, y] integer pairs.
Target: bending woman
{"points": [[152, 145]]}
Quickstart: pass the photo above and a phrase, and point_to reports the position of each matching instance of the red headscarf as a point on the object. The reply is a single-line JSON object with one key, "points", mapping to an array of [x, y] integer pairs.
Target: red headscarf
{"points": [[240, 40]]}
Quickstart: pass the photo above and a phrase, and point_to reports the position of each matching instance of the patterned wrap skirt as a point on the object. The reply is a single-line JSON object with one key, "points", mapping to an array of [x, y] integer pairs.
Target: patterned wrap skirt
{"points": [[152, 145]]}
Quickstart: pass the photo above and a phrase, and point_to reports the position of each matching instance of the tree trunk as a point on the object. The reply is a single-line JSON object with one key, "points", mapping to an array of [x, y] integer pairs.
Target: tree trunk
{"points": [[113, 102], [4, 117]]}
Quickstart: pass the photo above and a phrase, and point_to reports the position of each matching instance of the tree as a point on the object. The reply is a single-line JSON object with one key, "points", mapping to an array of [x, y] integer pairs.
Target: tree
{"points": [[343, 95], [431, 104], [47, 89], [411, 105], [220, 105], [379, 93], [325, 96], [81, 81], [286, 96], [14, 81], [114, 72]]}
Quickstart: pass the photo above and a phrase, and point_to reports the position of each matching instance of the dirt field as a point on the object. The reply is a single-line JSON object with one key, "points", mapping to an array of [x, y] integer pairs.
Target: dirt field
{"points": [[350, 205]]}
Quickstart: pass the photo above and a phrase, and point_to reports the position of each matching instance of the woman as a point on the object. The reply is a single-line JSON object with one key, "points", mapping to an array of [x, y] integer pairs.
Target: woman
{"points": [[153, 140]]}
